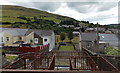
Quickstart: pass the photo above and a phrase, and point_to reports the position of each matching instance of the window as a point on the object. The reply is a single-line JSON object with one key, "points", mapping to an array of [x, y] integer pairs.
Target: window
{"points": [[7, 38], [31, 41], [36, 40], [1, 39], [45, 40], [20, 38], [88, 45]]}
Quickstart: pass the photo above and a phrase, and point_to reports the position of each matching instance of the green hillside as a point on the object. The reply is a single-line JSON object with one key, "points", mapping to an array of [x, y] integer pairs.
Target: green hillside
{"points": [[21, 15], [10, 14]]}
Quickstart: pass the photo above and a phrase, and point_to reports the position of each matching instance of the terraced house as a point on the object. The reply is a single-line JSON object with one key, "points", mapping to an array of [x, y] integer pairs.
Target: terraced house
{"points": [[16, 36]]}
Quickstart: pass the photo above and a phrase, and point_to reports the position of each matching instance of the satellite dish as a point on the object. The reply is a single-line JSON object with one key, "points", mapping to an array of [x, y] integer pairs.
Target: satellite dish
{"points": [[103, 37]]}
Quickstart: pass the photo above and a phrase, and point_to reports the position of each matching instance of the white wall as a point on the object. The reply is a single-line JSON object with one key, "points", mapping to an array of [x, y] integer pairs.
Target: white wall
{"points": [[1, 36], [1, 39], [47, 42], [50, 41]]}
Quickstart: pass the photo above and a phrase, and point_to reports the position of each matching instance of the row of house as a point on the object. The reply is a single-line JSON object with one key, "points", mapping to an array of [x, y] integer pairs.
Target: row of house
{"points": [[16, 36], [97, 42], [102, 30]]}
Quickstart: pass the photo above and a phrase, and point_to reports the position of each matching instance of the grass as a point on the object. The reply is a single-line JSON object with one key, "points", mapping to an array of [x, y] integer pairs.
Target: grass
{"points": [[66, 48], [11, 58], [12, 20], [5, 26], [10, 14], [1, 50], [112, 51], [53, 19]]}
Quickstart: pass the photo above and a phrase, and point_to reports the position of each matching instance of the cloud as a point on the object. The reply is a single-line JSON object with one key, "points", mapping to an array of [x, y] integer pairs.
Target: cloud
{"points": [[85, 7], [107, 16], [66, 11], [46, 6], [3, 2], [102, 12]]}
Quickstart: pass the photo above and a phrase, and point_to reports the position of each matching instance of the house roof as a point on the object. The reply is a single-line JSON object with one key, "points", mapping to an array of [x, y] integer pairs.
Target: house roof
{"points": [[112, 39], [16, 31], [41, 33], [3, 29], [88, 36], [108, 37], [22, 32]]}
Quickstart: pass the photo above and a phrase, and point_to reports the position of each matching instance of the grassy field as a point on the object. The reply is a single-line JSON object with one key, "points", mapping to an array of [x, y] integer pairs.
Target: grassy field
{"points": [[66, 48]]}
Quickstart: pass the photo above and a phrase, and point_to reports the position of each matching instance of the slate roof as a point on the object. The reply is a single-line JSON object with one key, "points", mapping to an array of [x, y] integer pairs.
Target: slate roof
{"points": [[41, 33], [22, 32], [112, 39], [108, 37], [3, 29], [15, 31], [88, 36]]}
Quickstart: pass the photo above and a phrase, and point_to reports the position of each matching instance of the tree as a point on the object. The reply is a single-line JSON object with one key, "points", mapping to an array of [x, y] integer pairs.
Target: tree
{"points": [[62, 36], [70, 35], [67, 22]]}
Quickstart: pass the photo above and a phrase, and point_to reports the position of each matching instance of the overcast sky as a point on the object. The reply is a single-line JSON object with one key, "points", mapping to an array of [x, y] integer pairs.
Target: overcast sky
{"points": [[101, 12]]}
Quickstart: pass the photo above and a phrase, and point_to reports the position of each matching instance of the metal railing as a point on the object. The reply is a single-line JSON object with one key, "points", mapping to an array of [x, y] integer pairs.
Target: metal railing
{"points": [[83, 63], [33, 61], [17, 64], [94, 63], [52, 64], [102, 63], [115, 60]]}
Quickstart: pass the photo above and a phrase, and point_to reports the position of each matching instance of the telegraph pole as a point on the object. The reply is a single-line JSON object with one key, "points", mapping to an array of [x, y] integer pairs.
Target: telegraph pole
{"points": [[97, 37]]}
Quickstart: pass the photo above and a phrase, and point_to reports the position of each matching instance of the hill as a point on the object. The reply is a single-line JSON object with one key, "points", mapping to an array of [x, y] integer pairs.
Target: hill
{"points": [[14, 15], [116, 26]]}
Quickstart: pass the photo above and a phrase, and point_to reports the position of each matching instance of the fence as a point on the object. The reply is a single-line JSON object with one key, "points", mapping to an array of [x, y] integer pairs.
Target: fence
{"points": [[102, 63], [115, 60], [33, 61], [66, 54], [94, 63], [78, 60]]}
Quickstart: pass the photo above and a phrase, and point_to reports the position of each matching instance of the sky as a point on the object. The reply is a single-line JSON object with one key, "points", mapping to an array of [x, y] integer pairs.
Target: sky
{"points": [[103, 12]]}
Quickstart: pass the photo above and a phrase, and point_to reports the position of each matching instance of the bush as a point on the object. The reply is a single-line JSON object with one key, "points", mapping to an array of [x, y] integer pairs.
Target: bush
{"points": [[112, 51]]}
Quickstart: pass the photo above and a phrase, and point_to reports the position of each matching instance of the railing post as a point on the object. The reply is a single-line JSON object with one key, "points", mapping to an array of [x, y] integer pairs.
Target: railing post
{"points": [[75, 61], [70, 64], [52, 64], [24, 60]]}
